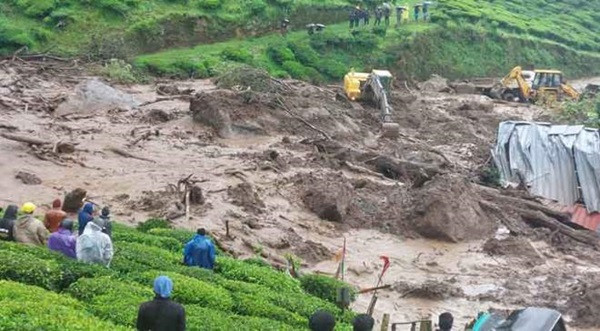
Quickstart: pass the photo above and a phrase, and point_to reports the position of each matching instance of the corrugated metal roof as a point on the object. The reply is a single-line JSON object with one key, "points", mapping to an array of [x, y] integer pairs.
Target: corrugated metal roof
{"points": [[553, 161], [580, 216]]}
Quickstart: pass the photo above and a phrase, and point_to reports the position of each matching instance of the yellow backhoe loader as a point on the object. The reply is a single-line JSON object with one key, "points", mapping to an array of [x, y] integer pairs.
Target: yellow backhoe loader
{"points": [[548, 85], [374, 87]]}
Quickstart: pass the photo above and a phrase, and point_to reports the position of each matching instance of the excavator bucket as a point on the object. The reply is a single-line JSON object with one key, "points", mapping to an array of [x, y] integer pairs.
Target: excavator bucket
{"points": [[390, 130]]}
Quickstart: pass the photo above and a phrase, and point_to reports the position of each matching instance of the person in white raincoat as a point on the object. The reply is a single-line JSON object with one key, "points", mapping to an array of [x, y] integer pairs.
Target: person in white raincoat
{"points": [[94, 246]]}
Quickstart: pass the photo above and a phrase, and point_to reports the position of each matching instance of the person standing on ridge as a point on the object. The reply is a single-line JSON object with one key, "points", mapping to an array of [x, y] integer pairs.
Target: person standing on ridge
{"points": [[104, 221], [85, 216], [63, 240], [426, 5], [28, 229], [54, 216], [200, 251], [7, 223], [417, 10], [93, 246], [387, 11], [378, 15], [161, 314]]}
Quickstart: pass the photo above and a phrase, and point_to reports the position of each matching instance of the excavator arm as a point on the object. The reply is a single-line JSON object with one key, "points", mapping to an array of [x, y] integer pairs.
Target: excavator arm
{"points": [[516, 74], [570, 91], [377, 91]]}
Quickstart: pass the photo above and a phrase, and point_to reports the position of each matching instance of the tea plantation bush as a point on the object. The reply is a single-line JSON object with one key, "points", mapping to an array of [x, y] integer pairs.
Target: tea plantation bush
{"points": [[24, 307], [43, 290]]}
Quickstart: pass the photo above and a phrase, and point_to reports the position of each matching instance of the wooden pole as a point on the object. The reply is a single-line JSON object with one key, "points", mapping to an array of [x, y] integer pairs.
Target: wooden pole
{"points": [[187, 203], [385, 324]]}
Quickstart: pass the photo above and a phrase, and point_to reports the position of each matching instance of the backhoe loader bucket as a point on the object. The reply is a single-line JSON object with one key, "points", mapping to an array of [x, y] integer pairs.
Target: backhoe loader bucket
{"points": [[390, 130]]}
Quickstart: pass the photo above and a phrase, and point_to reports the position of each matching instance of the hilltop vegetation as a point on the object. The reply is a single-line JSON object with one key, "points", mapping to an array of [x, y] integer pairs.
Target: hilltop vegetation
{"points": [[43, 289], [464, 37]]}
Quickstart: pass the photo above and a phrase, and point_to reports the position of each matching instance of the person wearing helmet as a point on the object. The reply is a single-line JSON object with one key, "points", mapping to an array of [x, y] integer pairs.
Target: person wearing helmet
{"points": [[63, 240], [28, 229]]}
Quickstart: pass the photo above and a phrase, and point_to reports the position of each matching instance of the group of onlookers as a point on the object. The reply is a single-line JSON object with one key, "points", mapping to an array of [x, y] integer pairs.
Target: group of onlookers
{"points": [[92, 244], [361, 16]]}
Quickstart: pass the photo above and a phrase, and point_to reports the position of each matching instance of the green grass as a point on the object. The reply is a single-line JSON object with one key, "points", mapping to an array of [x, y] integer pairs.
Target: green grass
{"points": [[200, 38], [41, 289]]}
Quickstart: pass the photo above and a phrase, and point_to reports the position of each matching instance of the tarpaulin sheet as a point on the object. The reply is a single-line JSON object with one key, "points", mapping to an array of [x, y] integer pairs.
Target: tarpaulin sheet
{"points": [[558, 162], [580, 216]]}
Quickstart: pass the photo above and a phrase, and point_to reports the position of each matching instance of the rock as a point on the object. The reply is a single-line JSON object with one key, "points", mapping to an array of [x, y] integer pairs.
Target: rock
{"points": [[158, 116], [93, 96], [435, 84], [207, 110], [74, 200], [329, 203], [448, 209], [245, 196], [312, 252], [465, 88], [28, 178]]}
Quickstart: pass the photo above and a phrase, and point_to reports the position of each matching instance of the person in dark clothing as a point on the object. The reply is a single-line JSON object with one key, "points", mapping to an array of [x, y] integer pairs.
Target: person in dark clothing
{"points": [[104, 221], [445, 322], [7, 222], [352, 17], [363, 322], [426, 5], [161, 314], [321, 320], [387, 11], [366, 16], [417, 10], [85, 215], [378, 16], [284, 26]]}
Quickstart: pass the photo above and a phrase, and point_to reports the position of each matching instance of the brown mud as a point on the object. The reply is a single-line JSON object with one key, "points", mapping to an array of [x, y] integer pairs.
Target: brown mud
{"points": [[299, 169]]}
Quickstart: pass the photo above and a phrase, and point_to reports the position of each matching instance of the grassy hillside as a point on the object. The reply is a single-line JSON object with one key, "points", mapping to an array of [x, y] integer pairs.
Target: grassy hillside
{"points": [[122, 28], [465, 38], [41, 289]]}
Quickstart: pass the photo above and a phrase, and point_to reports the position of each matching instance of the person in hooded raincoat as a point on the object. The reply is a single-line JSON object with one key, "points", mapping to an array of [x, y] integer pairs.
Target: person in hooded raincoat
{"points": [[363, 322], [200, 251], [63, 240], [28, 229], [7, 222], [85, 216], [93, 246], [161, 314], [104, 221], [54, 216]]}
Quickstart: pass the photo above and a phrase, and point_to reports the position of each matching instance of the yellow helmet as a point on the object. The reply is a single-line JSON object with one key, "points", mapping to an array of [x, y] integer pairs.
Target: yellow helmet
{"points": [[28, 208]]}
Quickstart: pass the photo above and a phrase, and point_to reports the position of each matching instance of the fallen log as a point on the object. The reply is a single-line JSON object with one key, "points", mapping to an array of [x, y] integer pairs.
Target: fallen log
{"points": [[123, 153], [418, 173], [23, 139], [282, 105], [538, 218], [174, 97]]}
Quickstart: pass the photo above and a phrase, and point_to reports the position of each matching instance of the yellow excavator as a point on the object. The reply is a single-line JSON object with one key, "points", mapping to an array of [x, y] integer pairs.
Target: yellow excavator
{"points": [[375, 87], [546, 85]]}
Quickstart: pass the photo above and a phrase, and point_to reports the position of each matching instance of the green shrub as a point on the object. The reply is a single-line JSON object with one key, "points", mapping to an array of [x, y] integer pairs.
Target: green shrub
{"points": [[121, 234], [324, 287], [13, 37], [237, 55], [28, 269], [24, 307], [133, 257], [182, 236], [37, 8], [111, 298], [209, 4], [259, 261], [119, 71], [256, 305], [238, 270], [305, 54], [201, 318], [280, 53], [154, 223], [188, 290], [295, 69], [70, 269]]}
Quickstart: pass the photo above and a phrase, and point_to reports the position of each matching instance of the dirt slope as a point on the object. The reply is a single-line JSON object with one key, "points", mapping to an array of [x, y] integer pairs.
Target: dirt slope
{"points": [[295, 171]]}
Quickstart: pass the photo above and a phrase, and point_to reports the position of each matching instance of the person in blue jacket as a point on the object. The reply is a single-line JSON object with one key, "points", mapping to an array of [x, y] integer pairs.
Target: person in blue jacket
{"points": [[200, 251], [85, 216]]}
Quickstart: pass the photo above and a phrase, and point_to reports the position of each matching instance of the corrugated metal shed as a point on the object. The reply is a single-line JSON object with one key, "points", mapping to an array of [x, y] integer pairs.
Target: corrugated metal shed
{"points": [[554, 161]]}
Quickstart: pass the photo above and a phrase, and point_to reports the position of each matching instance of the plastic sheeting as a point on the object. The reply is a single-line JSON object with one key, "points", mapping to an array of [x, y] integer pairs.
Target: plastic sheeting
{"points": [[558, 162]]}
